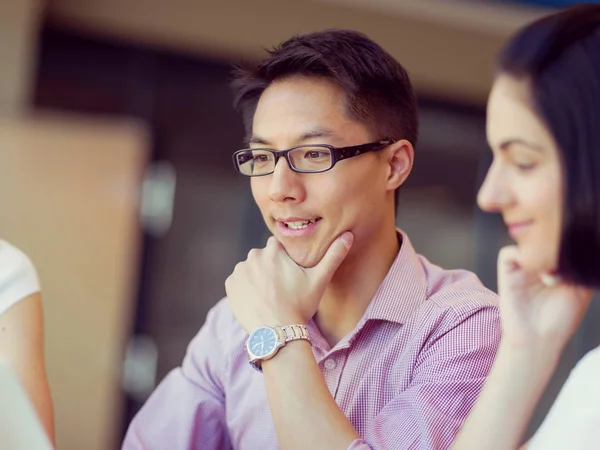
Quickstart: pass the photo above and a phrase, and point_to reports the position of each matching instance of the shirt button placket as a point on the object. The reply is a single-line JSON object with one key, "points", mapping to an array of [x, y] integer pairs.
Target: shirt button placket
{"points": [[332, 373]]}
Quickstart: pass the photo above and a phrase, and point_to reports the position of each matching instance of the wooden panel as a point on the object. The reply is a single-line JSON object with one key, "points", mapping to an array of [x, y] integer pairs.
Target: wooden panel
{"points": [[19, 21], [69, 190]]}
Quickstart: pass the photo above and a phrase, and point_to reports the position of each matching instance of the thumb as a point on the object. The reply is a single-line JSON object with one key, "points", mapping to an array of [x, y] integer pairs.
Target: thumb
{"points": [[334, 256]]}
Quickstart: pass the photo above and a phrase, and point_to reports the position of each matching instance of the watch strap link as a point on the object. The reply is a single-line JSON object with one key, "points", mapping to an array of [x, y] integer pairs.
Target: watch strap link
{"points": [[294, 332]]}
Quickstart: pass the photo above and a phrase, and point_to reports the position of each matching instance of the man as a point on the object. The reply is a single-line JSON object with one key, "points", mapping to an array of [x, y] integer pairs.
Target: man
{"points": [[359, 342]]}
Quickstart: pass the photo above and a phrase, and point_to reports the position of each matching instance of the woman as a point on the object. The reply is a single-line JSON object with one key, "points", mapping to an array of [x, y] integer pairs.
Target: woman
{"points": [[544, 130], [21, 329]]}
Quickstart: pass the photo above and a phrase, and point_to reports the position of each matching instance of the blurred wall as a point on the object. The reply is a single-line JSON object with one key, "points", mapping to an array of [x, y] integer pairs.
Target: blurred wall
{"points": [[69, 190], [19, 22], [448, 46]]}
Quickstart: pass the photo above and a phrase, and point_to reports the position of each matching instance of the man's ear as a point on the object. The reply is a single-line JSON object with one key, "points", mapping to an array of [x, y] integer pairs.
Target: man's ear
{"points": [[400, 156]]}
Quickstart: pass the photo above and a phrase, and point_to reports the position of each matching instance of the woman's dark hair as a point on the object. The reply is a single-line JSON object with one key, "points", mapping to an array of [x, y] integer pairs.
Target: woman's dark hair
{"points": [[378, 90], [559, 56]]}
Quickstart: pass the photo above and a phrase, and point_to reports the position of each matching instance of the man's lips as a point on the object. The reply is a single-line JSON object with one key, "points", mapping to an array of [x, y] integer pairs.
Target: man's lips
{"points": [[297, 222], [297, 226]]}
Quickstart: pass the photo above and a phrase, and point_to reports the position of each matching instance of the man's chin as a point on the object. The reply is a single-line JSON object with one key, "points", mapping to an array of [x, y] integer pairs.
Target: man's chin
{"points": [[305, 261], [302, 256]]}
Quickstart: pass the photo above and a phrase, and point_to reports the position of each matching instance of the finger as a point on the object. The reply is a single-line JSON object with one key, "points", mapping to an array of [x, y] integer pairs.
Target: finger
{"points": [[229, 284], [509, 257], [253, 254], [508, 262], [334, 256], [273, 243], [510, 272]]}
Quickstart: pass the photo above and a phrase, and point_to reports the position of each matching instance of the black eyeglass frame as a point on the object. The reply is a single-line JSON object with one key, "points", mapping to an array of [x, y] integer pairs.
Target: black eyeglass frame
{"points": [[337, 154]]}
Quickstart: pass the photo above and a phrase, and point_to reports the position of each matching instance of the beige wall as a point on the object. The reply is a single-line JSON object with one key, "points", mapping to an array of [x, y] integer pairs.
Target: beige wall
{"points": [[69, 190], [448, 46]]}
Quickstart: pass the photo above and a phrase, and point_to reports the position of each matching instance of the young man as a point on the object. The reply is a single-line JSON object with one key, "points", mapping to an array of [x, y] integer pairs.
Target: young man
{"points": [[360, 342]]}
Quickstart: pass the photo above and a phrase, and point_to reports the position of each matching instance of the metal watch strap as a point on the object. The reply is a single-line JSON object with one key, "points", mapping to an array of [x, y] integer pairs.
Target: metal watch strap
{"points": [[294, 332]]}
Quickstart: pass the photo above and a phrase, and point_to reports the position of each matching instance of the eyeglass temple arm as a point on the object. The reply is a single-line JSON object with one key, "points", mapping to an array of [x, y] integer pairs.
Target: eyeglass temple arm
{"points": [[348, 152]]}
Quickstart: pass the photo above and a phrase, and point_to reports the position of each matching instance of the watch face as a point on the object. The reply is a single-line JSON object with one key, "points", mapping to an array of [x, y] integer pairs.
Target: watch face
{"points": [[262, 341]]}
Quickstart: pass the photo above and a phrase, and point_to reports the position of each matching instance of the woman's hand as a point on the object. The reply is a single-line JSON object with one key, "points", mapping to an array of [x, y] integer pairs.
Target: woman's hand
{"points": [[537, 314]]}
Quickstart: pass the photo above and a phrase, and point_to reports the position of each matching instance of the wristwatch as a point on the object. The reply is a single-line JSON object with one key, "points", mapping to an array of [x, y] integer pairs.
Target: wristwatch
{"points": [[264, 342]]}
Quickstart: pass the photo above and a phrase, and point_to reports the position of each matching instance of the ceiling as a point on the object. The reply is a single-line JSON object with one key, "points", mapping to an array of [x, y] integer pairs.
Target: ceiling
{"points": [[448, 46]]}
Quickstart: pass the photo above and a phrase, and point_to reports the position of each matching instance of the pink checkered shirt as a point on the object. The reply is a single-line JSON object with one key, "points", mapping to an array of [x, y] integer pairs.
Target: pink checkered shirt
{"points": [[406, 376]]}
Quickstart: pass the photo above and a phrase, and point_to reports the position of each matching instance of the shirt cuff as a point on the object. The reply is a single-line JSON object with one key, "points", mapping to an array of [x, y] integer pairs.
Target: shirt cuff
{"points": [[359, 444]]}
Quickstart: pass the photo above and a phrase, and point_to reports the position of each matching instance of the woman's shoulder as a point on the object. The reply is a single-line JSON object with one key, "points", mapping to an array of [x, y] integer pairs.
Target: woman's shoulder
{"points": [[18, 277]]}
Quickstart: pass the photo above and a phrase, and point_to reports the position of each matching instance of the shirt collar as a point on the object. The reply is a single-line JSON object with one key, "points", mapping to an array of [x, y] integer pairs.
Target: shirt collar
{"points": [[403, 288]]}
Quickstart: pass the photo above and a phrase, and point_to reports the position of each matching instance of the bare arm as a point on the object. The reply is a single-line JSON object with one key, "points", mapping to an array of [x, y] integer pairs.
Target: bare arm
{"points": [[538, 319], [22, 344], [507, 401], [305, 416]]}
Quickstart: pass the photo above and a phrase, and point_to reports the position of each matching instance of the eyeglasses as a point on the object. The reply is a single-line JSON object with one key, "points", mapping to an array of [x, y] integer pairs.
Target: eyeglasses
{"points": [[314, 158]]}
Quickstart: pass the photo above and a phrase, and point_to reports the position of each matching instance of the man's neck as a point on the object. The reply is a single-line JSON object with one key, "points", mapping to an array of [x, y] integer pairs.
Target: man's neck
{"points": [[354, 285]]}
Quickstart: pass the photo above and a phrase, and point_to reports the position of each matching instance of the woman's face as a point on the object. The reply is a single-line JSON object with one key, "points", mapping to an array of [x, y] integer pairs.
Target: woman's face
{"points": [[525, 181]]}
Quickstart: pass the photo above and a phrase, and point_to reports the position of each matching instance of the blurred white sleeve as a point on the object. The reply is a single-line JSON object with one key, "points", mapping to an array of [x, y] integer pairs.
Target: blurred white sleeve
{"points": [[18, 277]]}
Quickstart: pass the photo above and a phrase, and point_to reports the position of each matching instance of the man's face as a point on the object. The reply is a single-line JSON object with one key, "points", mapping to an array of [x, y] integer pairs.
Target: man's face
{"points": [[307, 211]]}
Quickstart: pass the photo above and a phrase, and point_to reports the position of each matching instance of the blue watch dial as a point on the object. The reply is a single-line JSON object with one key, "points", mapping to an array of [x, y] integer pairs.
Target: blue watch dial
{"points": [[263, 341]]}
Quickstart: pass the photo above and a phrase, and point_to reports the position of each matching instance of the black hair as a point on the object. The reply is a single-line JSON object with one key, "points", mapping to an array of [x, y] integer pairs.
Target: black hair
{"points": [[559, 56], [378, 89]]}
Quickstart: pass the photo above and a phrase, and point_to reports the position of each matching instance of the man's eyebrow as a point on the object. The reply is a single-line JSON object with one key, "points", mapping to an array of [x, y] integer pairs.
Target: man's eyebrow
{"points": [[258, 140], [315, 133]]}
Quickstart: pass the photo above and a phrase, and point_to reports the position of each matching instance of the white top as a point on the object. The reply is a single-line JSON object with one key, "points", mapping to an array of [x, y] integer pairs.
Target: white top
{"points": [[573, 422], [20, 426], [18, 277]]}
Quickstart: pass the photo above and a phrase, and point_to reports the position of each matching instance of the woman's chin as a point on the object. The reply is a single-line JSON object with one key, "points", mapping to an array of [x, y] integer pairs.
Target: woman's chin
{"points": [[538, 262]]}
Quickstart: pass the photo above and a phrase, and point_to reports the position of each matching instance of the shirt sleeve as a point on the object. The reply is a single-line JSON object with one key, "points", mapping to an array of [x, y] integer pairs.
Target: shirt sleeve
{"points": [[574, 420], [18, 277], [448, 376], [187, 409]]}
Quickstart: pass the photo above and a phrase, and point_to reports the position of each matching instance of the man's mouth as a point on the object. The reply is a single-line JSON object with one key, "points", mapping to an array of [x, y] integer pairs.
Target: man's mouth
{"points": [[298, 224]]}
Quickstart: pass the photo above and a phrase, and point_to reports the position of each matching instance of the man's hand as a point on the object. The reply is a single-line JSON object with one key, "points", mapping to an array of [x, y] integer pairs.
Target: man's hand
{"points": [[269, 288]]}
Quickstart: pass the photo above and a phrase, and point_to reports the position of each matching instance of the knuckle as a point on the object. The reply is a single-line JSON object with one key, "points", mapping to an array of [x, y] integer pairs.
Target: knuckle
{"points": [[237, 269]]}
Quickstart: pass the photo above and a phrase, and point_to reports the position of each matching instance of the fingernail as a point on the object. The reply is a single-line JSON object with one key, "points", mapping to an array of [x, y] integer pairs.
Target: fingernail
{"points": [[347, 238]]}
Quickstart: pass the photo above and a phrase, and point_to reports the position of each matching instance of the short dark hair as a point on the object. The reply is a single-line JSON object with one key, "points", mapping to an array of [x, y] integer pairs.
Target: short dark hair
{"points": [[560, 57], [379, 92]]}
